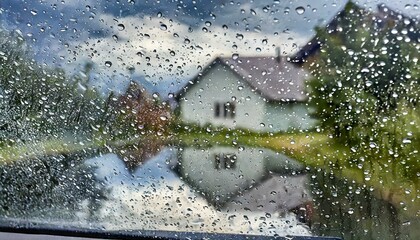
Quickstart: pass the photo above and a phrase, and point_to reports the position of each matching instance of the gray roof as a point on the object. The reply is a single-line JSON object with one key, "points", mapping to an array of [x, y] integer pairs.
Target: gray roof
{"points": [[275, 78]]}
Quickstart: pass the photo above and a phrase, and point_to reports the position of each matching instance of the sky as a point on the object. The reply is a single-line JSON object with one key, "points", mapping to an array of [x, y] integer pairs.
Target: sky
{"points": [[163, 44]]}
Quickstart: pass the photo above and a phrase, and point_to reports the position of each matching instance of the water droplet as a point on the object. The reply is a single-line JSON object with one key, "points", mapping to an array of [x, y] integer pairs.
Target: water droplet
{"points": [[300, 10], [406, 141], [225, 27], [159, 14], [264, 41], [372, 145], [115, 37], [34, 12], [208, 23], [235, 56], [350, 211], [163, 27], [121, 27], [406, 223], [253, 12], [258, 49], [108, 63], [239, 36], [172, 53], [204, 29]]}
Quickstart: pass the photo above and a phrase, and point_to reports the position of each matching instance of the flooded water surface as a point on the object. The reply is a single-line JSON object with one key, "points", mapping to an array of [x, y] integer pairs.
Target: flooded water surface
{"points": [[219, 189]]}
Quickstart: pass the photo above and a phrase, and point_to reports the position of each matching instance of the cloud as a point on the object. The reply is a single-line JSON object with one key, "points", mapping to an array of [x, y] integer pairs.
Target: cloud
{"points": [[164, 42], [166, 51]]}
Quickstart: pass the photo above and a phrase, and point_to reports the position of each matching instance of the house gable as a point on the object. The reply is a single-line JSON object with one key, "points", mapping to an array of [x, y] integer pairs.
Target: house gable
{"points": [[255, 93], [217, 86]]}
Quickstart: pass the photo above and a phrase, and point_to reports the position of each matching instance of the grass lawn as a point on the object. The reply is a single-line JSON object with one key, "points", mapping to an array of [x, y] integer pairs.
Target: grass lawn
{"points": [[10, 154]]}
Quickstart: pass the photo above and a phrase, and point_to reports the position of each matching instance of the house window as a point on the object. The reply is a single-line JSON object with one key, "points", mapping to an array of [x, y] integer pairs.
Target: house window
{"points": [[224, 161], [224, 110], [217, 110]]}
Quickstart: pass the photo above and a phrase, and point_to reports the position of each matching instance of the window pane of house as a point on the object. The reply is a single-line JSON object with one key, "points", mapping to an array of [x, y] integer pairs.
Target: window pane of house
{"points": [[263, 118]]}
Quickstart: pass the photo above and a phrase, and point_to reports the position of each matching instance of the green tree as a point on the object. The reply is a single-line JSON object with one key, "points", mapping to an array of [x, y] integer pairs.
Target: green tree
{"points": [[365, 89], [361, 74], [38, 102]]}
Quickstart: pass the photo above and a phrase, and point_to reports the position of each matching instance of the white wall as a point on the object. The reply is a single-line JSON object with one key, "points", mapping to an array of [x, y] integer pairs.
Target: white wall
{"points": [[220, 84]]}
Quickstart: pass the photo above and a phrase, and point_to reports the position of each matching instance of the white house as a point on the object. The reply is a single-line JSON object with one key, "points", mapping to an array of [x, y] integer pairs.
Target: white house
{"points": [[256, 93]]}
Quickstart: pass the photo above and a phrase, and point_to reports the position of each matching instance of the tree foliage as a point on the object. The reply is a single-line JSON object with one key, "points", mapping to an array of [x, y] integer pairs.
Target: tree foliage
{"points": [[362, 71], [140, 113], [37, 102], [365, 87]]}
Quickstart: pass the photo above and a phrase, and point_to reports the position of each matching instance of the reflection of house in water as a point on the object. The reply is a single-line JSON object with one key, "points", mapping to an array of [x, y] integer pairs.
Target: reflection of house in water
{"points": [[245, 179]]}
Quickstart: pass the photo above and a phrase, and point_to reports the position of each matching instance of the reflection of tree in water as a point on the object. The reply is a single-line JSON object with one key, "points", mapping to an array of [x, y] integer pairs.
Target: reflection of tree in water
{"points": [[351, 211], [49, 187], [134, 155]]}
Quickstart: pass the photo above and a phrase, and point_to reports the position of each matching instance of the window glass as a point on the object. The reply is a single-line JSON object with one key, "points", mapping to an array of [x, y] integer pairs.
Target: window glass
{"points": [[268, 118]]}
